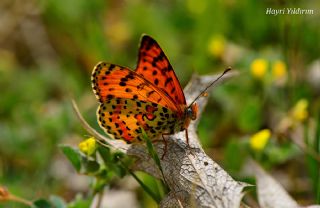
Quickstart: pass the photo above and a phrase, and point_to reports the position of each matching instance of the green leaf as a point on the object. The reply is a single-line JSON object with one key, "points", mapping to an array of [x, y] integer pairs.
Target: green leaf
{"points": [[99, 184], [118, 156], [73, 155], [151, 149], [153, 153], [80, 202], [90, 166], [57, 202], [105, 154], [119, 170], [42, 203], [153, 195]]}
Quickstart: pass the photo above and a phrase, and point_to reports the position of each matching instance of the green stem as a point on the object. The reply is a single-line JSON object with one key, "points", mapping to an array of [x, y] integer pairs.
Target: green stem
{"points": [[100, 197], [154, 196]]}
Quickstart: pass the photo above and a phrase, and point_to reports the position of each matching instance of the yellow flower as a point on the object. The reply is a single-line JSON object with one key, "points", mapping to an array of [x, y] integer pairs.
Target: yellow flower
{"points": [[299, 111], [88, 146], [259, 140], [216, 46], [259, 68], [279, 70]]}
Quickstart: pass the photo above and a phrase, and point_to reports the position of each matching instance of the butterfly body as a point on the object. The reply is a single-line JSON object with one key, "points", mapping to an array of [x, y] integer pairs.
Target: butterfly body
{"points": [[149, 98]]}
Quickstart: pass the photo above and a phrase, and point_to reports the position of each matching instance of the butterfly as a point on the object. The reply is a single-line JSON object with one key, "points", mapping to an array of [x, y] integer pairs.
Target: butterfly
{"points": [[149, 98]]}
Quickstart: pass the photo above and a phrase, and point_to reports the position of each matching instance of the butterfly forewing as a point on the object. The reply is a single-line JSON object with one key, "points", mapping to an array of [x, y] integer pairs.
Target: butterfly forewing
{"points": [[154, 66], [112, 81]]}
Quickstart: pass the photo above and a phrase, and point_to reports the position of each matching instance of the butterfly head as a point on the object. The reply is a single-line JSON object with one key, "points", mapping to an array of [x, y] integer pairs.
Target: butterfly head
{"points": [[192, 111]]}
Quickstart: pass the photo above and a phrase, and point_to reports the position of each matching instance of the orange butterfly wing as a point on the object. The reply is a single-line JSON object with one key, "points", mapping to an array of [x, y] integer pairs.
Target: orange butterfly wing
{"points": [[124, 119], [113, 81], [129, 103], [154, 66]]}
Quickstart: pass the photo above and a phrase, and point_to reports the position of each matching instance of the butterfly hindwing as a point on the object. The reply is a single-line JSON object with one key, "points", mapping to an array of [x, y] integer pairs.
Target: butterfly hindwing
{"points": [[154, 66], [124, 118]]}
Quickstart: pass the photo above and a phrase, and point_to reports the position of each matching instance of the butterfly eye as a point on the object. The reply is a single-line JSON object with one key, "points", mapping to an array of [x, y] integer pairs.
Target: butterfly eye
{"points": [[189, 112], [192, 111]]}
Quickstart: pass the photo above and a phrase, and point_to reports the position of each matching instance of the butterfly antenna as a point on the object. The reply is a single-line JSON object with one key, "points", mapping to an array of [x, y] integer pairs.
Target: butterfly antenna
{"points": [[212, 83]]}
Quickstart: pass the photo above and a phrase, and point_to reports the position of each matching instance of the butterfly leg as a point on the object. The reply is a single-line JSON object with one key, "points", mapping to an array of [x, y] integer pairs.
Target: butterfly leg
{"points": [[187, 140], [165, 146], [164, 140], [187, 137]]}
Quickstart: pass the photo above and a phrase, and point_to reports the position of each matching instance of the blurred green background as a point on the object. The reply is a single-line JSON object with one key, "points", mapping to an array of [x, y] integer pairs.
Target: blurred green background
{"points": [[49, 48]]}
